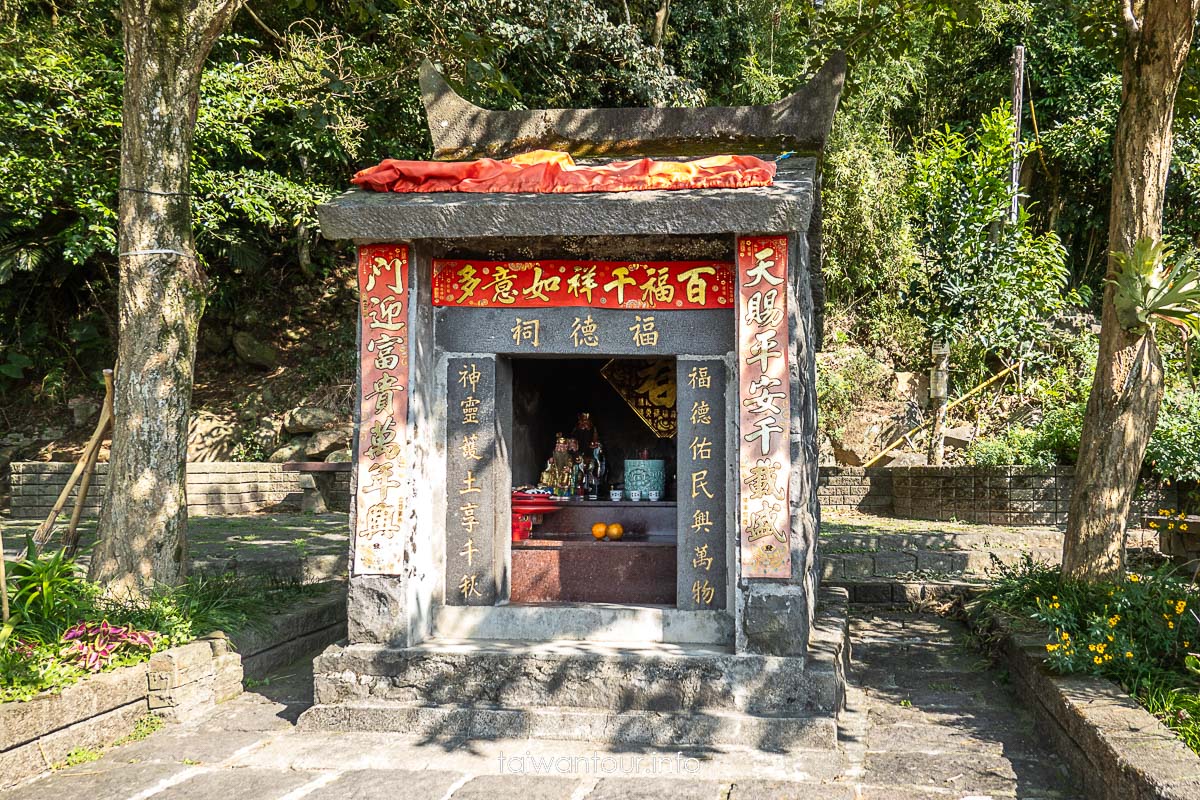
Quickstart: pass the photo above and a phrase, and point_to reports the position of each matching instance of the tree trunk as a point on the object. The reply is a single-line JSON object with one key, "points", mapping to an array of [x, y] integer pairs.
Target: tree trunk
{"points": [[660, 24], [143, 526], [1122, 409]]}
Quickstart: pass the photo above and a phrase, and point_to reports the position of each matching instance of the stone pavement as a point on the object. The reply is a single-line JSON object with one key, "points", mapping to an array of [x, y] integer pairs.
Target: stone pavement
{"points": [[311, 547], [930, 718]]}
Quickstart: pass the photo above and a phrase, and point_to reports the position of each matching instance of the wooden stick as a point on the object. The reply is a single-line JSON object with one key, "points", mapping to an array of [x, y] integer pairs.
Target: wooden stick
{"points": [[44, 531], [71, 540], [3, 583], [953, 405]]}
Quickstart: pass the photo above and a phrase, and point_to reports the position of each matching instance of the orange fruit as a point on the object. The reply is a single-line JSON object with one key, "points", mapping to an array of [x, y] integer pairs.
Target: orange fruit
{"points": [[599, 529], [615, 531]]}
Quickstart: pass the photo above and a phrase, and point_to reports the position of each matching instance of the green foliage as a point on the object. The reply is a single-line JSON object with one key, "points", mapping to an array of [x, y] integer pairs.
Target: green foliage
{"points": [[984, 280], [146, 725], [54, 608], [1016, 445], [47, 595], [844, 387], [1174, 449], [1147, 291], [79, 755], [1141, 632]]}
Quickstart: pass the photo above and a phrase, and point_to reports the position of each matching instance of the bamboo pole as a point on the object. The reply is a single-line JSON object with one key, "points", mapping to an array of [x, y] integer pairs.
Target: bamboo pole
{"points": [[3, 582], [44, 531], [947, 409], [71, 540]]}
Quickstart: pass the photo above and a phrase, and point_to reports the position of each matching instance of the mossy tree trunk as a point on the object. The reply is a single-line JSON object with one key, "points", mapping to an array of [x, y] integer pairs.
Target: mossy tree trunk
{"points": [[143, 526], [1122, 409]]}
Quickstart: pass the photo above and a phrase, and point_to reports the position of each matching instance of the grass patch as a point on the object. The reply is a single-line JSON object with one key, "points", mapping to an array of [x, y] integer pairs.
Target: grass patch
{"points": [[146, 725], [80, 755]]}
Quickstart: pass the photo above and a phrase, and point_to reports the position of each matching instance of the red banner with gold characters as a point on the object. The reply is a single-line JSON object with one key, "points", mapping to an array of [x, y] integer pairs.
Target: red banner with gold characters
{"points": [[595, 284], [383, 409], [763, 392]]}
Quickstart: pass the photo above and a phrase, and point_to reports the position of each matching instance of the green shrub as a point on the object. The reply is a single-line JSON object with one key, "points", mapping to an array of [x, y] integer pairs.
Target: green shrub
{"points": [[54, 608], [1174, 450], [843, 387], [1016, 445], [1141, 632]]}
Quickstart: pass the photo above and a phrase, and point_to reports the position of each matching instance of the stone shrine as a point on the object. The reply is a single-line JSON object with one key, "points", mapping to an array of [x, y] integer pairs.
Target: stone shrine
{"points": [[683, 323]]}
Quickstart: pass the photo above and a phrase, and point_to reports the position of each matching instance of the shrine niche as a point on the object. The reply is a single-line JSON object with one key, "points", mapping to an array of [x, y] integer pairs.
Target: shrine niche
{"points": [[577, 407]]}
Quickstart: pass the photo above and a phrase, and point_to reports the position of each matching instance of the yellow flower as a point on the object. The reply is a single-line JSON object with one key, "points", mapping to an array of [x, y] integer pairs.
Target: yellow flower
{"points": [[1183, 526], [1100, 648], [1135, 578], [1180, 606], [1129, 654], [1108, 658], [1092, 648], [1153, 524], [1171, 625], [1097, 660], [1113, 620], [1187, 644], [1050, 648], [1110, 638]]}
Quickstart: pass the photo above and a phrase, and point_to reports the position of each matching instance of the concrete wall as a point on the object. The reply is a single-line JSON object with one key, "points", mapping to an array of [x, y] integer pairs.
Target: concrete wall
{"points": [[989, 495], [213, 488]]}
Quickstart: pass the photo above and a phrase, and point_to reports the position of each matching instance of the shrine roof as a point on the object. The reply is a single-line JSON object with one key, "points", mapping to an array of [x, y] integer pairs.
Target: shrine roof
{"points": [[784, 207]]}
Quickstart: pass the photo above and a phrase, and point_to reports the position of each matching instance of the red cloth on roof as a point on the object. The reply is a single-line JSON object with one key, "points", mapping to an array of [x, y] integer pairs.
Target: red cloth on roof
{"points": [[550, 171]]}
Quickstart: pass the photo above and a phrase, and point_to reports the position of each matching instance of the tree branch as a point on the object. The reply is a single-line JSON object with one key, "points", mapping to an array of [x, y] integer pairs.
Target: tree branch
{"points": [[262, 24]]}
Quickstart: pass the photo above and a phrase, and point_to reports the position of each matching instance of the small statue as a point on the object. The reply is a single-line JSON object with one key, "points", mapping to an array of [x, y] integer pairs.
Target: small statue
{"points": [[585, 432], [601, 462], [591, 484], [577, 478]]}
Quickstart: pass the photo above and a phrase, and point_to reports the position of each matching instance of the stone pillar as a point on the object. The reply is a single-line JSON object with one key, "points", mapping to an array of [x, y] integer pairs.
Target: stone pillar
{"points": [[776, 492], [702, 490], [471, 479], [382, 483]]}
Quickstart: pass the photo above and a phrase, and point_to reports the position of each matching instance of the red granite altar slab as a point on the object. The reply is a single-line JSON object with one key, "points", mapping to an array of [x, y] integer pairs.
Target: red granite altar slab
{"points": [[578, 571]]}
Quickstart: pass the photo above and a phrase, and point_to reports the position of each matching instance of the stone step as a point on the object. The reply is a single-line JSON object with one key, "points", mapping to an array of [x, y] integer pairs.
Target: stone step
{"points": [[604, 676], [846, 567], [943, 540], [593, 622], [454, 723], [884, 591]]}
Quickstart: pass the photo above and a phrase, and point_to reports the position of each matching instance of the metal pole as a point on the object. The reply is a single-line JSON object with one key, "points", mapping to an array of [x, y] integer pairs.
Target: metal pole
{"points": [[1018, 86]]}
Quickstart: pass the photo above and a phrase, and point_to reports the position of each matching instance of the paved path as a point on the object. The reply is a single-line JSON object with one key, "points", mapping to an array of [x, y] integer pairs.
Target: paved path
{"points": [[308, 546], [929, 719]]}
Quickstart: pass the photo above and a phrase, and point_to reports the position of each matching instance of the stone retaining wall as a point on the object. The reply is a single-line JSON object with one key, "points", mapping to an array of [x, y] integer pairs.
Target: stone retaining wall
{"points": [[1116, 748], [213, 488], [987, 495], [856, 489], [177, 684]]}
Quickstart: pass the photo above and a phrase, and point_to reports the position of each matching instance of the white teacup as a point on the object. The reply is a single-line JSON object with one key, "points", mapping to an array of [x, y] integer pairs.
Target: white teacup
{"points": [[652, 496], [615, 495], [635, 495]]}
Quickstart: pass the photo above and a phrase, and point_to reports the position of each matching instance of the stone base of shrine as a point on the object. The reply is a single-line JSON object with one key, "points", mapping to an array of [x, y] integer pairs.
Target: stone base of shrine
{"points": [[644, 693]]}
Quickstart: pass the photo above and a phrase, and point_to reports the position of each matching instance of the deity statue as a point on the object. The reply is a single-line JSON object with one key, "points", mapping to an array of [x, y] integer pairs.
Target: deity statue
{"points": [[558, 475], [578, 466], [601, 461], [585, 432]]}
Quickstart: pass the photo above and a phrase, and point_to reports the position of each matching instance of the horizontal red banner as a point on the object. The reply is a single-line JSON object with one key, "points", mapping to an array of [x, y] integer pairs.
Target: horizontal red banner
{"points": [[596, 284]]}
